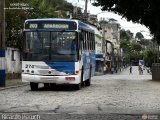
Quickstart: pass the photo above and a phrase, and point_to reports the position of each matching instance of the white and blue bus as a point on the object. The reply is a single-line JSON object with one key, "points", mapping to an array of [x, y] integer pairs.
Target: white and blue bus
{"points": [[58, 51]]}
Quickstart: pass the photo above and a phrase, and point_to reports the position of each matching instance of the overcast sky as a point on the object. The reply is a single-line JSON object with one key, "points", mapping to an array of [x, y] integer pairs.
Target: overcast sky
{"points": [[123, 22]]}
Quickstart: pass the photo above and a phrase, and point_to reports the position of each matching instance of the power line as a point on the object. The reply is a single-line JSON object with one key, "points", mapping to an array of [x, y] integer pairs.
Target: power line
{"points": [[132, 27]]}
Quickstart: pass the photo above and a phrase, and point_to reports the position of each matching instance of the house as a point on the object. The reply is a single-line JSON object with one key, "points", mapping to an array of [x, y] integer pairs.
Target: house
{"points": [[111, 32]]}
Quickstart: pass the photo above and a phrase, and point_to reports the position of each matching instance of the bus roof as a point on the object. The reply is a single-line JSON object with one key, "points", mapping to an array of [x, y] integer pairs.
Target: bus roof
{"points": [[49, 19], [81, 25]]}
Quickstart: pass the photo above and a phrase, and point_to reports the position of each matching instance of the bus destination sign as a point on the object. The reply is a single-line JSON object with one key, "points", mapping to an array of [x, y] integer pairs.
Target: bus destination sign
{"points": [[50, 25], [33, 26], [56, 26]]}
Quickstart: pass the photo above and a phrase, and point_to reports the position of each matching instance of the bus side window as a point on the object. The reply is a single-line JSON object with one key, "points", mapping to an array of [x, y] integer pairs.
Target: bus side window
{"points": [[84, 41], [80, 36], [93, 41], [81, 41], [88, 41]]}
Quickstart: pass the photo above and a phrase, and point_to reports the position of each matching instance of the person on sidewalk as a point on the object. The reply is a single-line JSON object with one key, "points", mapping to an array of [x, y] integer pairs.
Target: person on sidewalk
{"points": [[130, 70], [140, 70]]}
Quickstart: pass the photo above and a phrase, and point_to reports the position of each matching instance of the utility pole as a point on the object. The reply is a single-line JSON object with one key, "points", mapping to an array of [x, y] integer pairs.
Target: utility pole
{"points": [[85, 11], [2, 43]]}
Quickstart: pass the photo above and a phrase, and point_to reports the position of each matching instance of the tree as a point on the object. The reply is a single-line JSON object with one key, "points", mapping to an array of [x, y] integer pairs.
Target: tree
{"points": [[38, 9], [125, 35], [149, 57], [132, 51], [145, 12], [139, 35]]}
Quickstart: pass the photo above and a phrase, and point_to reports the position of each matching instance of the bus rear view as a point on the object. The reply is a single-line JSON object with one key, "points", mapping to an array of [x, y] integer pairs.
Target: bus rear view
{"points": [[51, 53]]}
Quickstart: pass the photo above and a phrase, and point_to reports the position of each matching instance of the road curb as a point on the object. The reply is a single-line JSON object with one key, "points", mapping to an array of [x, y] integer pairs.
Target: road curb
{"points": [[14, 86]]}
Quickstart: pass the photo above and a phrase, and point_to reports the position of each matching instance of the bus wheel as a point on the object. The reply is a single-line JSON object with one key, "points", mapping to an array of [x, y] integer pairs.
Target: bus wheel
{"points": [[88, 81], [77, 86], [46, 84], [52, 85], [34, 86], [82, 82]]}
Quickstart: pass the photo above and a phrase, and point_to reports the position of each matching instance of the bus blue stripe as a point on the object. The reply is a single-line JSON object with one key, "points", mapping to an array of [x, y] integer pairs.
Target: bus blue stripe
{"points": [[2, 77], [62, 66], [2, 53]]}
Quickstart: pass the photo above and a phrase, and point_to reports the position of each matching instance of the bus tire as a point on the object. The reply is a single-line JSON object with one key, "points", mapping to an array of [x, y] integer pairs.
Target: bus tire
{"points": [[34, 86], [46, 84], [52, 85], [77, 86], [88, 81]]}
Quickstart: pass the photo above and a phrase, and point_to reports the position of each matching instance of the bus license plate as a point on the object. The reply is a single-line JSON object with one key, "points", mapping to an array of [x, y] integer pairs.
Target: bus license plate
{"points": [[50, 79]]}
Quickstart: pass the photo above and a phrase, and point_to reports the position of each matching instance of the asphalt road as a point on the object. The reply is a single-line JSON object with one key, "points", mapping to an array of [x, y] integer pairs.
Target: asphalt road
{"points": [[118, 97]]}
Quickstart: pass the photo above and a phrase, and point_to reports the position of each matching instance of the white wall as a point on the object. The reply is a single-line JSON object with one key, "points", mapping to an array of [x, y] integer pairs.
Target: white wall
{"points": [[98, 40], [13, 63]]}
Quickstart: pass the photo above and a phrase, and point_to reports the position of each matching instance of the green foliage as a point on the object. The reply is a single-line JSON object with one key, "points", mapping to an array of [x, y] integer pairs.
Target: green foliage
{"points": [[14, 25], [38, 9], [149, 57], [139, 35], [126, 35], [131, 50], [145, 12], [137, 47], [124, 44]]}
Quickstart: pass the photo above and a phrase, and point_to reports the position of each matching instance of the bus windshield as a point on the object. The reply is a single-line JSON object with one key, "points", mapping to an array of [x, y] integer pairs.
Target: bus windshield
{"points": [[50, 46]]}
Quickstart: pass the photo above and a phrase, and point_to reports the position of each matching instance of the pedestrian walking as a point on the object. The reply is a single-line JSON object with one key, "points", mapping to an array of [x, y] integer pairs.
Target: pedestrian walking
{"points": [[140, 70], [112, 70], [130, 70]]}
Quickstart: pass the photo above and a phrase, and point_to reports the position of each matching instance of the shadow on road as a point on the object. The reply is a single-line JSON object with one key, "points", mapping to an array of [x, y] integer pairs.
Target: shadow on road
{"points": [[155, 81], [61, 87]]}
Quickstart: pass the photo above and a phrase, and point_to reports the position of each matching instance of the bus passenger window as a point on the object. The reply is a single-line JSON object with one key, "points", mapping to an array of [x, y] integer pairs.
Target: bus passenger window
{"points": [[86, 41]]}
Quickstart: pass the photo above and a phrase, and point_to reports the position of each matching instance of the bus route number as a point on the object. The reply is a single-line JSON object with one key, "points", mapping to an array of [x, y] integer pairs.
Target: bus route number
{"points": [[29, 66]]}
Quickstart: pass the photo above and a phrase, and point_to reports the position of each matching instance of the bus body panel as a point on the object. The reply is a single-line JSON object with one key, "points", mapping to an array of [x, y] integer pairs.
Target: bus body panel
{"points": [[59, 72], [50, 72], [88, 64], [50, 79]]}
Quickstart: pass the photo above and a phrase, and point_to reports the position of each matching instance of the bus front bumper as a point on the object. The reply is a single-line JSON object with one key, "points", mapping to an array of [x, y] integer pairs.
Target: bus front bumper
{"points": [[71, 79]]}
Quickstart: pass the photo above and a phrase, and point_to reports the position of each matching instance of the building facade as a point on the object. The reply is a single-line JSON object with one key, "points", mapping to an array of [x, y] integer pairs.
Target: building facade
{"points": [[100, 55], [111, 33]]}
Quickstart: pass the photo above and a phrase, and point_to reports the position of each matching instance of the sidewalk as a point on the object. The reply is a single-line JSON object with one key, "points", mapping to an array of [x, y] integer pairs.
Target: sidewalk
{"points": [[134, 71], [12, 83]]}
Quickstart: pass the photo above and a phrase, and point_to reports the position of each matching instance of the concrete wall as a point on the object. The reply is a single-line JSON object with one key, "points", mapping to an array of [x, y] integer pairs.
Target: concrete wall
{"points": [[13, 63], [156, 71]]}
